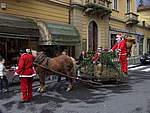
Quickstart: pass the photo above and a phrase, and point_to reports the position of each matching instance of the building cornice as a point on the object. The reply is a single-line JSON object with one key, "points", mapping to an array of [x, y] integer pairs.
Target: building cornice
{"points": [[144, 27], [117, 19], [143, 8], [58, 2]]}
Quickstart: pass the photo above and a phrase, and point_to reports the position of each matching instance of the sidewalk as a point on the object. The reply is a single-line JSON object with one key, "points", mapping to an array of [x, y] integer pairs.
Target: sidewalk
{"points": [[14, 79], [134, 60]]}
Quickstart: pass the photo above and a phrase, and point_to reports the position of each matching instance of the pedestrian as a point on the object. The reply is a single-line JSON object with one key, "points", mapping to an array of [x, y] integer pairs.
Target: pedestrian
{"points": [[82, 56], [3, 78], [64, 52], [121, 49], [96, 61], [26, 73]]}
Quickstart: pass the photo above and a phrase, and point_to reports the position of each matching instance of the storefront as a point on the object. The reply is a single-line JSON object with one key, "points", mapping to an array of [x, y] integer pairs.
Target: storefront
{"points": [[54, 38], [138, 47], [16, 33]]}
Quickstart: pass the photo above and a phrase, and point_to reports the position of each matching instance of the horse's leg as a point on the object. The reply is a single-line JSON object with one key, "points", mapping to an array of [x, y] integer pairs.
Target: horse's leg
{"points": [[42, 83], [59, 78], [70, 74], [70, 86]]}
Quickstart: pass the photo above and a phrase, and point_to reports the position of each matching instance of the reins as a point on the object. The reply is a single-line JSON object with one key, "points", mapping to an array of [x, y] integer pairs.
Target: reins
{"points": [[65, 75]]}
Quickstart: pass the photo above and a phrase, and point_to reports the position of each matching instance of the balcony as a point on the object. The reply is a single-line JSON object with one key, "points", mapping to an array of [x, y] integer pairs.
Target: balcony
{"points": [[131, 18], [97, 7]]}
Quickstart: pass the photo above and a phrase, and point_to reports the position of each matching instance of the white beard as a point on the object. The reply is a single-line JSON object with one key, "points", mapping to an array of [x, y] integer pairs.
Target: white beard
{"points": [[118, 41]]}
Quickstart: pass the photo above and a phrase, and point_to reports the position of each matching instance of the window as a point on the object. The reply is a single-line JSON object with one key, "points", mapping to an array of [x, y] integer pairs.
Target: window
{"points": [[115, 4], [128, 6]]}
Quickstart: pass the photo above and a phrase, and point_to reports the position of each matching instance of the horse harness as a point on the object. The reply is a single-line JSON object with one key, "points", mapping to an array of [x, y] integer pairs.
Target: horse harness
{"points": [[42, 59]]}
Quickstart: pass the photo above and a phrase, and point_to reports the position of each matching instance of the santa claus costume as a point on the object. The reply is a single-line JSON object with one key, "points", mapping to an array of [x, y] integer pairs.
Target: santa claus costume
{"points": [[121, 48], [26, 72]]}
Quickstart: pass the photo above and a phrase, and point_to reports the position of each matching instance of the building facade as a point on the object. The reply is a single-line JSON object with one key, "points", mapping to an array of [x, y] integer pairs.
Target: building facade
{"points": [[36, 24], [144, 18], [75, 25]]}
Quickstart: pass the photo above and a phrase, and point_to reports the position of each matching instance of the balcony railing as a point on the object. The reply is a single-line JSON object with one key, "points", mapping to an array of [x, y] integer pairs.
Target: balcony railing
{"points": [[105, 3], [97, 6], [131, 18]]}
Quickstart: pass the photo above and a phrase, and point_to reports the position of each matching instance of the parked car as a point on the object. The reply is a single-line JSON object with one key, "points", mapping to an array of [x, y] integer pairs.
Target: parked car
{"points": [[145, 59]]}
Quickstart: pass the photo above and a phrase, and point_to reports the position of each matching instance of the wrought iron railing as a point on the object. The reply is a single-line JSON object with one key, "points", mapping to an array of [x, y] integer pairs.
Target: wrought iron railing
{"points": [[99, 2]]}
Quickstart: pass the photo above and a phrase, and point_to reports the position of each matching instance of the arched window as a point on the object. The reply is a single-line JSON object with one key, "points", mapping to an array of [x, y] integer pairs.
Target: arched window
{"points": [[93, 36]]}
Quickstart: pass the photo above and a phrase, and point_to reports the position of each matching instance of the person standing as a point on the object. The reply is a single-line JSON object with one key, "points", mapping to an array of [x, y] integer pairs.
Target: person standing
{"points": [[3, 78], [82, 56], [96, 56], [121, 48], [96, 62], [26, 73]]}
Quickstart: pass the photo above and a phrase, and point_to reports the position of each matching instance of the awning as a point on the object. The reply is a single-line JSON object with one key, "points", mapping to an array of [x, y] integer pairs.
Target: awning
{"points": [[58, 34], [18, 28]]}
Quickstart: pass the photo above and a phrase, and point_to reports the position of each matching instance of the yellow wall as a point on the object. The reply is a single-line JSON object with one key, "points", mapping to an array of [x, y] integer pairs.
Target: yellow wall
{"points": [[144, 16], [122, 10], [117, 24], [120, 14], [39, 10]]}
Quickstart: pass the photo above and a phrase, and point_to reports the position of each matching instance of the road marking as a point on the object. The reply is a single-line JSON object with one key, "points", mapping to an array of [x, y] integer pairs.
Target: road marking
{"points": [[139, 67], [146, 70], [129, 66]]}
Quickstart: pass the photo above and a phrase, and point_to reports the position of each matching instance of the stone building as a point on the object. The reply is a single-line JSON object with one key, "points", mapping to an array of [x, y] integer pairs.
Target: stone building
{"points": [[98, 22], [144, 20], [36, 24], [75, 25]]}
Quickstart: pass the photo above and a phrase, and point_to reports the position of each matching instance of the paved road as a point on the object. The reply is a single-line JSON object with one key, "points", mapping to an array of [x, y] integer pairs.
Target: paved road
{"points": [[133, 97]]}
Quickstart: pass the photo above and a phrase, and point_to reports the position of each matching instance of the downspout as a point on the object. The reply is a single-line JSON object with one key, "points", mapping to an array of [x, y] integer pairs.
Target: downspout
{"points": [[69, 21]]}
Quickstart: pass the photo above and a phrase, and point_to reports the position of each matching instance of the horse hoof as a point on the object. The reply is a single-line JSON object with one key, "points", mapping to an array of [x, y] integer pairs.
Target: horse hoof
{"points": [[69, 89], [39, 89]]}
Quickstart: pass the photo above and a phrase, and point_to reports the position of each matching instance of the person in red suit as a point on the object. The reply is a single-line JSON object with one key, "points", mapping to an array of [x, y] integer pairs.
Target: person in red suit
{"points": [[121, 48], [26, 73], [96, 56]]}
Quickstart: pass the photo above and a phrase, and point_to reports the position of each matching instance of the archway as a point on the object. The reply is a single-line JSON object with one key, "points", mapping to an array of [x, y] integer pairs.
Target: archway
{"points": [[93, 36]]}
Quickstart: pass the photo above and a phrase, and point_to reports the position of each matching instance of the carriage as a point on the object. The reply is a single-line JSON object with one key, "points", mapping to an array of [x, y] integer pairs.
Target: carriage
{"points": [[108, 68]]}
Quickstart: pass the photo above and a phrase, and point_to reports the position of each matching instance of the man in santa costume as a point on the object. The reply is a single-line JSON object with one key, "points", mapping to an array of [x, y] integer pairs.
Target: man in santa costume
{"points": [[121, 48], [26, 72]]}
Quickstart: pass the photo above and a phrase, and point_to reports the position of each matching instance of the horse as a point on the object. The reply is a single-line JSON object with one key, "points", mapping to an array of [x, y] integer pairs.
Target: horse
{"points": [[129, 42], [62, 65]]}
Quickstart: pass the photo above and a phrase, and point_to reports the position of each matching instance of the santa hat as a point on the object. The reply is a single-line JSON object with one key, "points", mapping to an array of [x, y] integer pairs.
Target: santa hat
{"points": [[118, 36]]}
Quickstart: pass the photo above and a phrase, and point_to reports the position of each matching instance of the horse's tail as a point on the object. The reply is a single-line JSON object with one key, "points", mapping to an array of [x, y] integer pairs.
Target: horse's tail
{"points": [[74, 65]]}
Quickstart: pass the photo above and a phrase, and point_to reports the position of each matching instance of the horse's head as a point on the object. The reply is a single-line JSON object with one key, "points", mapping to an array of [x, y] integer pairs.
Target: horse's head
{"points": [[39, 56], [130, 41], [34, 53]]}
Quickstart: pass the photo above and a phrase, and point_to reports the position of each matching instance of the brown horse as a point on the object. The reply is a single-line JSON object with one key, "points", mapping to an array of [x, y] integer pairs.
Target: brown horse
{"points": [[62, 64], [129, 41]]}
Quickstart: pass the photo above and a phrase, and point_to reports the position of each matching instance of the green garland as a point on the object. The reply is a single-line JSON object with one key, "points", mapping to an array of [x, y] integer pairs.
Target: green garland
{"points": [[106, 58], [88, 63]]}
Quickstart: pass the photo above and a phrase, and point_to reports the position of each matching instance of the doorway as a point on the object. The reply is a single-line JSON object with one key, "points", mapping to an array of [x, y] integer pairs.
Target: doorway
{"points": [[93, 36]]}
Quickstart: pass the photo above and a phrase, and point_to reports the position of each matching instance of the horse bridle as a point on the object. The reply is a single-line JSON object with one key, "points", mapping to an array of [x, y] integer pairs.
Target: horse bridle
{"points": [[41, 58]]}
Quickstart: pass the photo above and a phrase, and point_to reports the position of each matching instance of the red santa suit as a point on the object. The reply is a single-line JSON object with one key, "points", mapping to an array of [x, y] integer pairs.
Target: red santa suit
{"points": [[122, 49], [26, 72], [96, 57]]}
